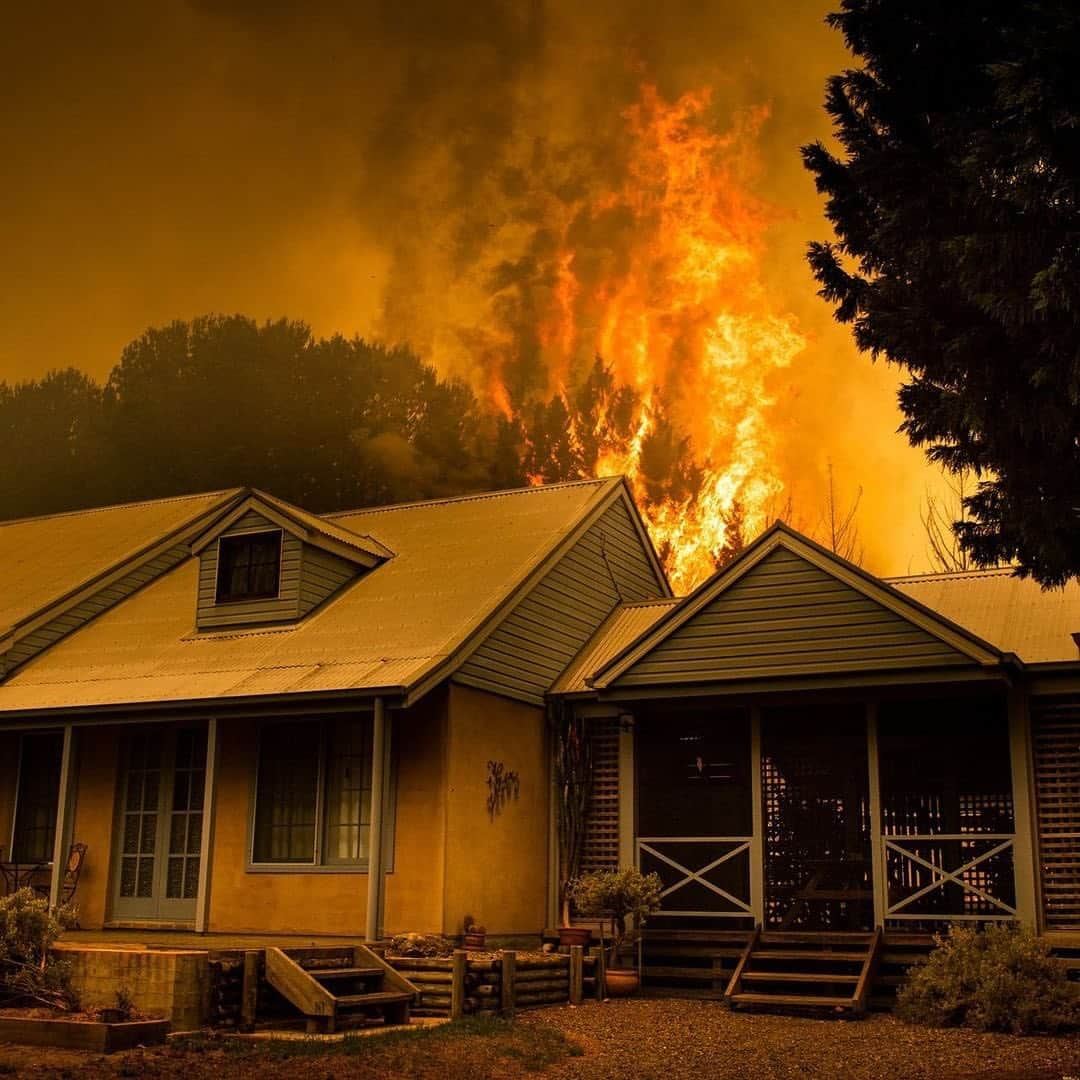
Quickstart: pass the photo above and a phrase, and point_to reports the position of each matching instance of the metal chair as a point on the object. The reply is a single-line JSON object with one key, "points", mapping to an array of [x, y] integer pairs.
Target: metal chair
{"points": [[70, 881]]}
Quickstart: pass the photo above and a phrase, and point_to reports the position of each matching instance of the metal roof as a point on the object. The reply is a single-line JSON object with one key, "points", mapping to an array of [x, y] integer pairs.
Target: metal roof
{"points": [[457, 562], [623, 627], [43, 559], [1013, 613]]}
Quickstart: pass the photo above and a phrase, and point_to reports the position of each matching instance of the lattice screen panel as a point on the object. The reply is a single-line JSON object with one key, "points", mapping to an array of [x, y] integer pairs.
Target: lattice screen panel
{"points": [[1057, 786], [600, 850]]}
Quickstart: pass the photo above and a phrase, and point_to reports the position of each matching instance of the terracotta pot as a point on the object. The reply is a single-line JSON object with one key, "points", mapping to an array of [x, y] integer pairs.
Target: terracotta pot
{"points": [[574, 935], [621, 982], [475, 942]]}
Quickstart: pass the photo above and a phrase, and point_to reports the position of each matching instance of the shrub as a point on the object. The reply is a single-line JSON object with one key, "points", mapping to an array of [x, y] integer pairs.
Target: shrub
{"points": [[623, 894], [30, 974], [999, 979], [429, 945]]}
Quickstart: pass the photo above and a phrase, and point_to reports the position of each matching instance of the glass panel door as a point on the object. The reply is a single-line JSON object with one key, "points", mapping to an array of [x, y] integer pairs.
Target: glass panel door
{"points": [[159, 824]]}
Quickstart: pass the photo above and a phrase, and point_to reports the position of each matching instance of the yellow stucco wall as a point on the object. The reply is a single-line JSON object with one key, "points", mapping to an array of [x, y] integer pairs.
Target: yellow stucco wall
{"points": [[496, 869], [324, 902], [9, 767], [95, 793]]}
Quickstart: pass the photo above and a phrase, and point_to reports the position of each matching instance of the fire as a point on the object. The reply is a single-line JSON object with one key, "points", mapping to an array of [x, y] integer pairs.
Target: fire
{"points": [[685, 321], [659, 275]]}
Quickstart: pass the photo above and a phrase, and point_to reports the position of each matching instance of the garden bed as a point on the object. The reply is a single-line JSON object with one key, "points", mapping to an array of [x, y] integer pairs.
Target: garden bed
{"points": [[469, 983], [78, 1031]]}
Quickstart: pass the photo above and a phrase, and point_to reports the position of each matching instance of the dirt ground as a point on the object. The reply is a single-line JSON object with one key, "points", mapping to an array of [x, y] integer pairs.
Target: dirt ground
{"points": [[670, 1039], [640, 1039]]}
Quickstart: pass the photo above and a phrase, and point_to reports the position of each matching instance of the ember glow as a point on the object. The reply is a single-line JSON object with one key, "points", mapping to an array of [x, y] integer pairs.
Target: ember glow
{"points": [[685, 320]]}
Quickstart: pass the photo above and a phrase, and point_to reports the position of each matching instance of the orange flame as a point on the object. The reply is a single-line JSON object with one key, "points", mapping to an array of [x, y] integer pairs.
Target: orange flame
{"points": [[685, 320]]}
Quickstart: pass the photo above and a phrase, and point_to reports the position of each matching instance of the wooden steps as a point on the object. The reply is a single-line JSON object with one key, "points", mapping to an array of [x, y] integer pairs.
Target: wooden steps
{"points": [[362, 988], [806, 971]]}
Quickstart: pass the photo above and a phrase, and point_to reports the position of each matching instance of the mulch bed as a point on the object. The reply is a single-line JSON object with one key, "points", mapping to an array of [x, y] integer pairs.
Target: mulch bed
{"points": [[670, 1039]]}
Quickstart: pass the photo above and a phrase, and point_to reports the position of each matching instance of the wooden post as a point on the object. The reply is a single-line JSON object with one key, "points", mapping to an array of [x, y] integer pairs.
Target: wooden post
{"points": [[249, 992], [627, 793], [577, 973], [757, 827], [206, 850], [600, 974], [878, 875], [506, 984], [1023, 807], [62, 835], [457, 985], [378, 798]]}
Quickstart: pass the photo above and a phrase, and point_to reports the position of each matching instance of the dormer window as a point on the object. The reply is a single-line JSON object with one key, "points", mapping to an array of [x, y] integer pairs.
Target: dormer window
{"points": [[249, 566]]}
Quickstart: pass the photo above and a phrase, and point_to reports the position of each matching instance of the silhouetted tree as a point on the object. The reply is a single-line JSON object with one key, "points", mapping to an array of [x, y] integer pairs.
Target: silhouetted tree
{"points": [[222, 400], [957, 254], [51, 445]]}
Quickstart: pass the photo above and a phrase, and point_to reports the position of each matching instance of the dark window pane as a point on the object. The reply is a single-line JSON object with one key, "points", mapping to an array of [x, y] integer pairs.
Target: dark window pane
{"points": [[285, 798], [249, 566], [39, 788]]}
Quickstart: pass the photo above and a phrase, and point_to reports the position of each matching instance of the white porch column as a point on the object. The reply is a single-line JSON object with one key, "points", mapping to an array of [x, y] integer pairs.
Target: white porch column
{"points": [[757, 819], [878, 877], [379, 750], [1023, 807], [206, 841], [64, 803], [627, 793]]}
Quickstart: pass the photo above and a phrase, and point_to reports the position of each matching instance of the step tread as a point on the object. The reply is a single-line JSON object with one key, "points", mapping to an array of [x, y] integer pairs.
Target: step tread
{"points": [[798, 977], [381, 997], [848, 956], [344, 973], [753, 998]]}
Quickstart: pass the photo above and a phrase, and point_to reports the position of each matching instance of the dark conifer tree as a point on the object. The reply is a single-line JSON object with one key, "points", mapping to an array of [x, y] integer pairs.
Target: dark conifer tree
{"points": [[957, 255]]}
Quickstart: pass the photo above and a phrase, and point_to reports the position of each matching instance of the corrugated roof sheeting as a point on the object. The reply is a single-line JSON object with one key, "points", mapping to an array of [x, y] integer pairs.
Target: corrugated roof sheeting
{"points": [[1012, 613], [456, 561], [623, 627], [43, 559]]}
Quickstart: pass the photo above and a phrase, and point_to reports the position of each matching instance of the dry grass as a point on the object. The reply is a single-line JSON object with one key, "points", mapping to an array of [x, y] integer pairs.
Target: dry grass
{"points": [[477, 1049]]}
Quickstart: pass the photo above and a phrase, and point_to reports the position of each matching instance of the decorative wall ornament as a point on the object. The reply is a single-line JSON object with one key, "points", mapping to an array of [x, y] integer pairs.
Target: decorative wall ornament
{"points": [[503, 785]]}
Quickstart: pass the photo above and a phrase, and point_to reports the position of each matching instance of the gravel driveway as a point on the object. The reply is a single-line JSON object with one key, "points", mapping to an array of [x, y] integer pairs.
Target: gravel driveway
{"points": [[670, 1039]]}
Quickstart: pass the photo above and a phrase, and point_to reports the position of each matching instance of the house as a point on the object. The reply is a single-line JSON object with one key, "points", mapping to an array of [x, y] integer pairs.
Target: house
{"points": [[242, 708], [259, 719]]}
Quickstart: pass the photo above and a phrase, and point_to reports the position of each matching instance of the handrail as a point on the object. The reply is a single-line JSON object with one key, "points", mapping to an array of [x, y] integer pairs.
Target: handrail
{"points": [[1002, 842], [646, 845]]}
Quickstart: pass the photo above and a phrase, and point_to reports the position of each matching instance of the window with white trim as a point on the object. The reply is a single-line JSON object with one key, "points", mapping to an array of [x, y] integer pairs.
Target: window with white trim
{"points": [[313, 793]]}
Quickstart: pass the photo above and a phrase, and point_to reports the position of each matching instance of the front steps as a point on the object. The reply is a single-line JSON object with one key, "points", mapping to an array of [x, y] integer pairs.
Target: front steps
{"points": [[814, 971], [339, 986]]}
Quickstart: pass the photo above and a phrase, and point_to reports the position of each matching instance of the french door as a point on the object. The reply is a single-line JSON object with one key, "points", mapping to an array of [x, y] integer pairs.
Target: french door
{"points": [[159, 824]]}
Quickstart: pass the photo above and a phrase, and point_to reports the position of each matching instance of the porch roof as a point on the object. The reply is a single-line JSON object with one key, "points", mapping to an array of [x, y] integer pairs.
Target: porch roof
{"points": [[458, 565], [1013, 613]]}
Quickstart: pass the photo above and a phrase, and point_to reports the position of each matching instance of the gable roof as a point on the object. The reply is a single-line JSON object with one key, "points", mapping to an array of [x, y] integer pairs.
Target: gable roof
{"points": [[356, 547], [459, 566], [1014, 613], [47, 561], [828, 603]]}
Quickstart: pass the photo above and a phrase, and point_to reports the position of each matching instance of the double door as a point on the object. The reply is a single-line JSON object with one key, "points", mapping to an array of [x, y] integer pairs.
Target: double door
{"points": [[162, 780]]}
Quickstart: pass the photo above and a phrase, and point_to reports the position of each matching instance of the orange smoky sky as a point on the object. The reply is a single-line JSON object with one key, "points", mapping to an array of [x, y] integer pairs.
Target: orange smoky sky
{"points": [[380, 168]]}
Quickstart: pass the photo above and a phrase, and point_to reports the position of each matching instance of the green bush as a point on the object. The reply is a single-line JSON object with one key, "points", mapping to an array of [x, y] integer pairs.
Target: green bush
{"points": [[30, 973], [998, 979], [625, 894]]}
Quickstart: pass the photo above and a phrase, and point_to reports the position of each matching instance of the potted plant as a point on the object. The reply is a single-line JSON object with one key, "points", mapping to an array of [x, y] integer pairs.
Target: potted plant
{"points": [[573, 780], [627, 896], [475, 936]]}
